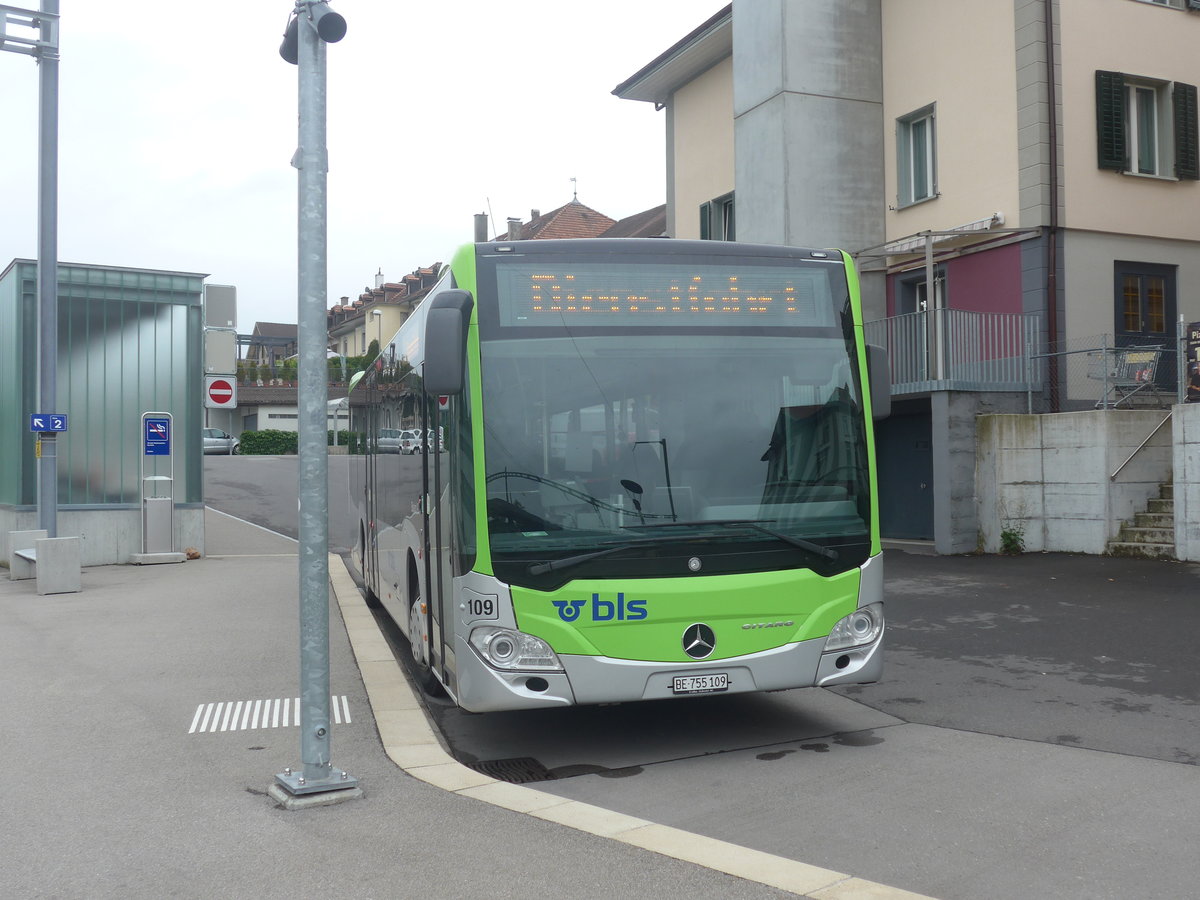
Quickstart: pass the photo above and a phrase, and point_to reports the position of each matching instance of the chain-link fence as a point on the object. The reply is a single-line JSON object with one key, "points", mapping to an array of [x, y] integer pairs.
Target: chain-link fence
{"points": [[1101, 372]]}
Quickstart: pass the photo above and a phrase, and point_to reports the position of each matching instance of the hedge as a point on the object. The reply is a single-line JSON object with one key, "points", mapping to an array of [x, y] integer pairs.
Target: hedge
{"points": [[281, 443], [270, 442]]}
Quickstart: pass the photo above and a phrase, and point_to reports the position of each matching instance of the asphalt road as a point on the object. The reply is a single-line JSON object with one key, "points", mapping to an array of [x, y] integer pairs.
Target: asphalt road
{"points": [[1080, 651], [1034, 735], [264, 490]]}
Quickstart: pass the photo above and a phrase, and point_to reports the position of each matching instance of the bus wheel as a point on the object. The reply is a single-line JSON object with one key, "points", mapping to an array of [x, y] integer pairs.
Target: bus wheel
{"points": [[418, 640]]}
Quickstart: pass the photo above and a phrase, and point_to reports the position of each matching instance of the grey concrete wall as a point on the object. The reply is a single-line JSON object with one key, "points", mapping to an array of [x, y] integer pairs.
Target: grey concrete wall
{"points": [[955, 513], [1051, 476], [808, 122], [1185, 427], [107, 536], [1033, 113]]}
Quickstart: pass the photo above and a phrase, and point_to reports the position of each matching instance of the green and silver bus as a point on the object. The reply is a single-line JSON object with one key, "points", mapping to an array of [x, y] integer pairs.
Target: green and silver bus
{"points": [[655, 475]]}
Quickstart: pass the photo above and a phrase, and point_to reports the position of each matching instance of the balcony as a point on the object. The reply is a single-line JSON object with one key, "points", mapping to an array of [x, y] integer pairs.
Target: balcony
{"points": [[957, 350]]}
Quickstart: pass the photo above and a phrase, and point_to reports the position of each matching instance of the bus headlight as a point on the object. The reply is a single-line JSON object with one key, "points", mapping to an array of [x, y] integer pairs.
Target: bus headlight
{"points": [[863, 626], [506, 648]]}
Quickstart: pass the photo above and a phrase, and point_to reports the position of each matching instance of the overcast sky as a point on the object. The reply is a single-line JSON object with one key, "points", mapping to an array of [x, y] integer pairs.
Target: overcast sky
{"points": [[178, 125]]}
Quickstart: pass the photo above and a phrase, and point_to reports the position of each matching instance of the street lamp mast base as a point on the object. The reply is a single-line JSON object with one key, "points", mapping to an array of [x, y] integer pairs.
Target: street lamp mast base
{"points": [[293, 791]]}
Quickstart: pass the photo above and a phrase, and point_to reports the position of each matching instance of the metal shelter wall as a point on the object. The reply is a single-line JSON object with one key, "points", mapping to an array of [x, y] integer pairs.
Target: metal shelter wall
{"points": [[130, 340]]}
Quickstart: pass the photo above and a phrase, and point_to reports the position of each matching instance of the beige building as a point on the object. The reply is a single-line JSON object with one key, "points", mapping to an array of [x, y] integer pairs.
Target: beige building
{"points": [[961, 140], [377, 314], [1036, 160]]}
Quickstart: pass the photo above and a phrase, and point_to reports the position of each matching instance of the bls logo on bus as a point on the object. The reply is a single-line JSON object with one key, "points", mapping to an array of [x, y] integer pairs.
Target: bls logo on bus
{"points": [[621, 610]]}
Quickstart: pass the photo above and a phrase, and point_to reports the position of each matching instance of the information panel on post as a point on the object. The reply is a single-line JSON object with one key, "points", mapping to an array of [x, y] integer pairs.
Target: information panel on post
{"points": [[158, 490], [156, 433]]}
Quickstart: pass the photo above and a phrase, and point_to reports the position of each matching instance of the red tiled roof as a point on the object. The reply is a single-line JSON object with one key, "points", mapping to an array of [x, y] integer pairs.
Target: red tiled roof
{"points": [[572, 220]]}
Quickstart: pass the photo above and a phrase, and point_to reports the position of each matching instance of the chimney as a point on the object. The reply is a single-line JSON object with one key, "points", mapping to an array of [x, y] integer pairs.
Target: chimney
{"points": [[534, 213], [379, 278], [481, 229], [514, 229]]}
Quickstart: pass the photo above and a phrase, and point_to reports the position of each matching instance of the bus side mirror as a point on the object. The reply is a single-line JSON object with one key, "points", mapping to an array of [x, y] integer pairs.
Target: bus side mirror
{"points": [[446, 342], [879, 375]]}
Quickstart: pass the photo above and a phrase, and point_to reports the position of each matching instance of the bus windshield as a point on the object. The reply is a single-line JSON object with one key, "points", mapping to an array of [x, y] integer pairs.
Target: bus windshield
{"points": [[646, 454]]}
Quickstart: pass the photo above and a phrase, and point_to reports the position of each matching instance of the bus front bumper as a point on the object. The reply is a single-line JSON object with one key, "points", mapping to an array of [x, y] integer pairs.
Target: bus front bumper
{"points": [[601, 679]]}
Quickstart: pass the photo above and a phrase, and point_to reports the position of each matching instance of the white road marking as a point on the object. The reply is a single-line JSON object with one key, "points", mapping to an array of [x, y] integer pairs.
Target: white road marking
{"points": [[249, 715]]}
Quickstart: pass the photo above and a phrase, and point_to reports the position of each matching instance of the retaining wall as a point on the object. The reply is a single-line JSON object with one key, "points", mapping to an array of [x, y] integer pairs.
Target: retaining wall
{"points": [[1050, 476]]}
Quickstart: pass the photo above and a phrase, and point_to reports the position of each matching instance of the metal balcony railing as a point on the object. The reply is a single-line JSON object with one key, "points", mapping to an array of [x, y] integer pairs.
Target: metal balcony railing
{"points": [[957, 350]]}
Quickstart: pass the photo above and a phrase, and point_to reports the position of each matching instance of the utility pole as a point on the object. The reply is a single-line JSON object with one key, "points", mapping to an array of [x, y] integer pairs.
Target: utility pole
{"points": [[44, 48], [318, 782]]}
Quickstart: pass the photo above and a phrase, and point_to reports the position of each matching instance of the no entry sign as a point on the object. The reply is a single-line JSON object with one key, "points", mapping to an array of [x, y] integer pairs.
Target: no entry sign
{"points": [[220, 392]]}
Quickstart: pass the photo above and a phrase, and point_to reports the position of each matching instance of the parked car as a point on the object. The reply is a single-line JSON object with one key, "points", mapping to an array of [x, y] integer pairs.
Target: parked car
{"points": [[410, 441], [218, 441], [389, 440]]}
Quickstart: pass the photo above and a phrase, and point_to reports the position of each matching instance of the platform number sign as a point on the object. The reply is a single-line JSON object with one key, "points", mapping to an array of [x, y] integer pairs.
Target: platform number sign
{"points": [[46, 422]]}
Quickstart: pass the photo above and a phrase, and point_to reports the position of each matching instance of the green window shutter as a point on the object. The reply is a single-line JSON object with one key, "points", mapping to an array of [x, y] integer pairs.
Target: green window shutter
{"points": [[1110, 120], [705, 221], [1187, 145]]}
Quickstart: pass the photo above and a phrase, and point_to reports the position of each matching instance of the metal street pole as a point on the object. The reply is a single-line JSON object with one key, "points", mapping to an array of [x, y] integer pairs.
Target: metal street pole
{"points": [[318, 773], [47, 276], [44, 48]]}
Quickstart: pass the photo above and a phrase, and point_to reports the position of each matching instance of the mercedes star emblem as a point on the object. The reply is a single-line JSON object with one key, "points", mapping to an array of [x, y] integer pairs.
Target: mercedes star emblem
{"points": [[699, 641]]}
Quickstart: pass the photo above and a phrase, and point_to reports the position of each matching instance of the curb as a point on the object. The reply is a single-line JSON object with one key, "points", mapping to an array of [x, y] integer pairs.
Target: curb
{"points": [[411, 743]]}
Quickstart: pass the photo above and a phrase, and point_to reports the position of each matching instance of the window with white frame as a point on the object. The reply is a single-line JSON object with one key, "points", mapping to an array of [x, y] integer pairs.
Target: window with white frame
{"points": [[912, 291], [1146, 126], [1145, 113], [717, 221], [916, 156]]}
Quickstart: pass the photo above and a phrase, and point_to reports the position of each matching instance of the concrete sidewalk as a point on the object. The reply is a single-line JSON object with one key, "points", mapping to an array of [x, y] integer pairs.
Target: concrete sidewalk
{"points": [[139, 751]]}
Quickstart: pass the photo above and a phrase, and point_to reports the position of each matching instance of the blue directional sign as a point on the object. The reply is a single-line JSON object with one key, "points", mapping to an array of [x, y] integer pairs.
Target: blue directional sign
{"points": [[158, 436], [47, 422]]}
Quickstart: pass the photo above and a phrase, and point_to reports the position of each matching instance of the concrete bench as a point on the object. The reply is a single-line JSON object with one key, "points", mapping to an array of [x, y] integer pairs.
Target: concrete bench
{"points": [[54, 562]]}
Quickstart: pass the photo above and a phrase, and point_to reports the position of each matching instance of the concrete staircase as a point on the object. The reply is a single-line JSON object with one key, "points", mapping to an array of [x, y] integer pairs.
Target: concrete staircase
{"points": [[1151, 533]]}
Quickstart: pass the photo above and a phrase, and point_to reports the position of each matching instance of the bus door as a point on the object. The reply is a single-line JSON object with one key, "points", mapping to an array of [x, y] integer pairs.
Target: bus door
{"points": [[430, 551], [370, 539], [442, 571]]}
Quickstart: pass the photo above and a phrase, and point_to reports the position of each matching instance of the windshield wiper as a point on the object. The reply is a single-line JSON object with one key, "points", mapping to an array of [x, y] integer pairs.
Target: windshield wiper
{"points": [[569, 561], [801, 543]]}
